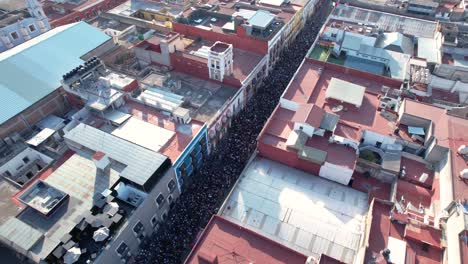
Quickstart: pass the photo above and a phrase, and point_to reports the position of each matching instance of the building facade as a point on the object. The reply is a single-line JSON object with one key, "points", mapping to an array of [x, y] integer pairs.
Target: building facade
{"points": [[18, 26]]}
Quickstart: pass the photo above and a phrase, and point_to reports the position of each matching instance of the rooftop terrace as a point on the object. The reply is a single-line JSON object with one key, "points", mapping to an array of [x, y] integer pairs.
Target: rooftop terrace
{"points": [[203, 98]]}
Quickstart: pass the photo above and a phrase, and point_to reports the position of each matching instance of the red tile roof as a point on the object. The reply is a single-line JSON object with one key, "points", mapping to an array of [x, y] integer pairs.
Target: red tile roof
{"points": [[223, 241], [414, 169], [424, 234], [178, 142], [382, 228], [310, 114], [347, 131], [336, 154], [450, 132], [412, 193], [371, 185]]}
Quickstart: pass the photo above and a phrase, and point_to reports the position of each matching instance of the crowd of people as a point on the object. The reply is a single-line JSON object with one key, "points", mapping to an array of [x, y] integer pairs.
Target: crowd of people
{"points": [[209, 187]]}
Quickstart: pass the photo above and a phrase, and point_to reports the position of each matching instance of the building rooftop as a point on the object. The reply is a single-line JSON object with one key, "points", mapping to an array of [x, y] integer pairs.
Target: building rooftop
{"points": [[140, 163], [42, 197], [75, 175], [142, 133], [244, 62], [56, 10], [385, 233], [264, 18], [225, 241], [20, 234], [13, 16], [183, 133], [106, 23], [42, 61], [204, 98], [310, 85], [386, 21], [301, 211]]}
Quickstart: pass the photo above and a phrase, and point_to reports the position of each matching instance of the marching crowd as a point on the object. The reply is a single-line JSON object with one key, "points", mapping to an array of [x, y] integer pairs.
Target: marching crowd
{"points": [[205, 194]]}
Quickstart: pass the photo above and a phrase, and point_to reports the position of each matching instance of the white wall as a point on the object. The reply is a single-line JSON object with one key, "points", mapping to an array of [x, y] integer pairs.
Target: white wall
{"points": [[306, 128], [16, 163], [143, 214], [336, 173], [288, 104], [455, 224], [345, 141], [372, 138]]}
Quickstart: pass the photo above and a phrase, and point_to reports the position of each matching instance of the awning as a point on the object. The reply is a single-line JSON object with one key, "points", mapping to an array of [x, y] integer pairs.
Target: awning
{"points": [[416, 130], [40, 137]]}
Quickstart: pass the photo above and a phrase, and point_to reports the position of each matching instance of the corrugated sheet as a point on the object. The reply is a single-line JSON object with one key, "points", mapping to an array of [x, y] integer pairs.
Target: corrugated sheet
{"points": [[313, 155], [19, 233], [261, 19], [34, 69], [141, 162]]}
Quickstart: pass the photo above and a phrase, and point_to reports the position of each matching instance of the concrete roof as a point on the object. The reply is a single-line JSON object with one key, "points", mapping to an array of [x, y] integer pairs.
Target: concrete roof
{"points": [[32, 70], [141, 162], [19, 234], [427, 49], [144, 134]]}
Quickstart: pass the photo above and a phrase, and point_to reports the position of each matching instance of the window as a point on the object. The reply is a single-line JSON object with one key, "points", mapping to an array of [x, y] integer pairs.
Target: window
{"points": [[26, 160], [170, 199], [171, 186], [14, 35], [138, 227], [154, 220], [160, 199], [378, 144], [164, 216], [122, 249], [32, 28]]}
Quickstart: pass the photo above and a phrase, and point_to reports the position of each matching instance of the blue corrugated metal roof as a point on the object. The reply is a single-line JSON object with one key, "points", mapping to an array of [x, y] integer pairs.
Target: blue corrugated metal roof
{"points": [[32, 70]]}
